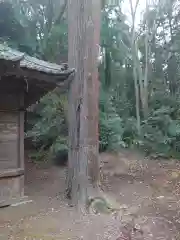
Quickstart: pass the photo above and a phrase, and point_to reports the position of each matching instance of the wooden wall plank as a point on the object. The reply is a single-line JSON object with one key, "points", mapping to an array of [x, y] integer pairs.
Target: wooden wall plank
{"points": [[9, 140]]}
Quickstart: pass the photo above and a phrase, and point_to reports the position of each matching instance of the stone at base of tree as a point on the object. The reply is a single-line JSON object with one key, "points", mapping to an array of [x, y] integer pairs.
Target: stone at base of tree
{"points": [[99, 202], [98, 205]]}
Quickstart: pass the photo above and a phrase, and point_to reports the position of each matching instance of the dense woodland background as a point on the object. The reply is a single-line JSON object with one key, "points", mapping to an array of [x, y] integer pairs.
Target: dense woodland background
{"points": [[139, 76]]}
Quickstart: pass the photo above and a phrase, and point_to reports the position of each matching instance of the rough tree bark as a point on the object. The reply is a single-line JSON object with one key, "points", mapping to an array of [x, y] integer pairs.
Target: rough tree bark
{"points": [[83, 41]]}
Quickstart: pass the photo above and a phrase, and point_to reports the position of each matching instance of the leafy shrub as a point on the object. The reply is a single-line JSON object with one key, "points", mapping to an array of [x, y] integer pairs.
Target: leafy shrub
{"points": [[160, 133], [111, 127], [50, 131]]}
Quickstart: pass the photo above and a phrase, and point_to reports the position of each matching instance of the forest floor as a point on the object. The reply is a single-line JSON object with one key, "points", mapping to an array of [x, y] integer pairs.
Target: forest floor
{"points": [[147, 190]]}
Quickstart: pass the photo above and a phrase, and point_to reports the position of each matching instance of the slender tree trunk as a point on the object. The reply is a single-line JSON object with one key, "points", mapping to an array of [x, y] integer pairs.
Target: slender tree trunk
{"points": [[135, 65], [136, 86], [83, 40], [146, 74]]}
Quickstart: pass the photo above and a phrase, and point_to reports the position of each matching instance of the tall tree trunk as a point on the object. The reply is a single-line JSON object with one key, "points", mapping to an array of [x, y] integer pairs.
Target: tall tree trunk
{"points": [[146, 74], [83, 41], [135, 64], [93, 89]]}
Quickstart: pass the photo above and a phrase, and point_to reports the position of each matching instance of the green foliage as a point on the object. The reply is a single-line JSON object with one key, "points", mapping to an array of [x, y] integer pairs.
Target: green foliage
{"points": [[110, 125], [57, 43], [50, 130], [40, 29], [49, 133], [160, 131]]}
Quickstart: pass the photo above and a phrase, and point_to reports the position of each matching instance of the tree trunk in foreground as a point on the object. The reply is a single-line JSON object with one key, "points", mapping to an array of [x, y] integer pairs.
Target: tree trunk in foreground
{"points": [[83, 40]]}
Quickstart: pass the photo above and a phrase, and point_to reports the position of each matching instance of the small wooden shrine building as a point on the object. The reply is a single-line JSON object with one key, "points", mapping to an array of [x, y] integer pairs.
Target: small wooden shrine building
{"points": [[23, 80]]}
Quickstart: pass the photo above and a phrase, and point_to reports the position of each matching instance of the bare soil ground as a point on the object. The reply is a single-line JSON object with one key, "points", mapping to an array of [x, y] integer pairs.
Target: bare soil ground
{"points": [[146, 190]]}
